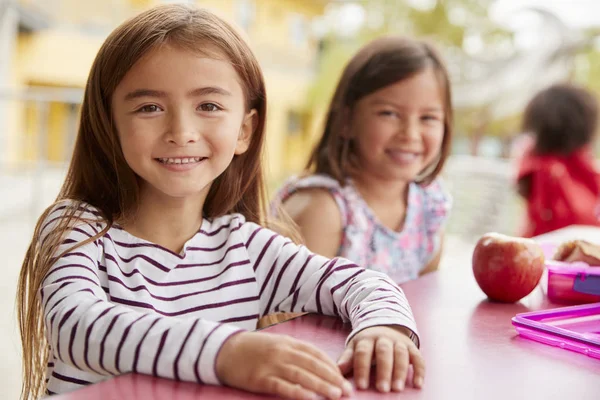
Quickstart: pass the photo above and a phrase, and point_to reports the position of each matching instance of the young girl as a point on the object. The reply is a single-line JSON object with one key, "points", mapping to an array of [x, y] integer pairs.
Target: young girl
{"points": [[556, 174], [370, 192], [153, 259]]}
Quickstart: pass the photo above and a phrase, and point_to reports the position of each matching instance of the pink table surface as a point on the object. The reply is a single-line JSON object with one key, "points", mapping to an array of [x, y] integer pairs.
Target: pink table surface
{"points": [[471, 349]]}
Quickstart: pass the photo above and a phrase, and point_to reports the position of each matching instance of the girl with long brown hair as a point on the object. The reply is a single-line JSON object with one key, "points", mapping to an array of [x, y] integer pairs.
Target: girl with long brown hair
{"points": [[153, 259], [371, 192]]}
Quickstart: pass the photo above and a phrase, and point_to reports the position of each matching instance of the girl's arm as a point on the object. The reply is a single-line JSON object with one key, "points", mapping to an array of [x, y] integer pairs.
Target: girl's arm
{"points": [[293, 279], [318, 218], [89, 332]]}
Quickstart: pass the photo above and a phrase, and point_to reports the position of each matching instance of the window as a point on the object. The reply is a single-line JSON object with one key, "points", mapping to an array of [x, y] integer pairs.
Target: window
{"points": [[246, 12], [298, 29], [295, 123]]}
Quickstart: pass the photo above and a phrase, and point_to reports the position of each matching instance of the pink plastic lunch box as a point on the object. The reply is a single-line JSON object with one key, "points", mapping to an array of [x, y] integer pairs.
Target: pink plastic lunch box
{"points": [[571, 283]]}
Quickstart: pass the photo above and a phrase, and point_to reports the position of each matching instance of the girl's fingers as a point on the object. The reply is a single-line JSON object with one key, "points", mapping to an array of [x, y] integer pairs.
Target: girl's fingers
{"points": [[311, 382], [322, 370], [401, 360], [418, 366], [315, 352], [345, 361], [384, 360], [282, 388], [363, 356]]}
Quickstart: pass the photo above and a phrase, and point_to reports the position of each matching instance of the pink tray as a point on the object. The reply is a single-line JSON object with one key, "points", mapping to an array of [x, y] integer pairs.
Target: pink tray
{"points": [[575, 328]]}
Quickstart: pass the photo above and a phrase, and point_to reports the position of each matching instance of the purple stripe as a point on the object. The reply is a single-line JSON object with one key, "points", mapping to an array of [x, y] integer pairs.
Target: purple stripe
{"points": [[176, 362], [137, 245], [297, 282], [76, 277], [54, 293], [351, 286], [70, 379], [196, 372], [60, 325], [122, 342], [142, 256], [139, 304], [103, 341], [86, 346], [277, 282], [235, 246], [181, 296], [217, 247], [178, 283], [136, 357], [239, 319], [263, 251], [72, 266], [320, 284], [383, 298], [367, 312], [216, 231], [299, 274], [341, 284], [251, 238], [79, 254], [71, 340], [163, 339], [84, 233]]}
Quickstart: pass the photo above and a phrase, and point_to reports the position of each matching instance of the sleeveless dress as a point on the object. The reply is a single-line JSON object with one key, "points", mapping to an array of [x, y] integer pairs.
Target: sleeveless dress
{"points": [[367, 242]]}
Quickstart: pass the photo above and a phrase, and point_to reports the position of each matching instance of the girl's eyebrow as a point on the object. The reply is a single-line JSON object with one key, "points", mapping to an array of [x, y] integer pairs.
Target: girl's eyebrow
{"points": [[192, 93], [391, 103]]}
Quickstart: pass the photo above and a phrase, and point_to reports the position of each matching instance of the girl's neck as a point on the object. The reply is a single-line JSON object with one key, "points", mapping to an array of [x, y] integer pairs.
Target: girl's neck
{"points": [[378, 192], [167, 221]]}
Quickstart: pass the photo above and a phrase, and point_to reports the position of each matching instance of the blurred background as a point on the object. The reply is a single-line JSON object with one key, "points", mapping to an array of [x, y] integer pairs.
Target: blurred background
{"points": [[499, 52]]}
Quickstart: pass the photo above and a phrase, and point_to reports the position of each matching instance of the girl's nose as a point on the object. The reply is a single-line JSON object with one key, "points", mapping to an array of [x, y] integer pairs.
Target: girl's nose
{"points": [[183, 129]]}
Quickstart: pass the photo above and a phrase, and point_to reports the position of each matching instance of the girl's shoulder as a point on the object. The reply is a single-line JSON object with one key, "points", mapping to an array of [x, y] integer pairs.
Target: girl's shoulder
{"points": [[320, 190], [76, 212], [303, 182]]}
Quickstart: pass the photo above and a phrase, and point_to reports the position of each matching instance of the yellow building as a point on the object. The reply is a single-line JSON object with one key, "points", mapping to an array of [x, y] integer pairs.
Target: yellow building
{"points": [[53, 44]]}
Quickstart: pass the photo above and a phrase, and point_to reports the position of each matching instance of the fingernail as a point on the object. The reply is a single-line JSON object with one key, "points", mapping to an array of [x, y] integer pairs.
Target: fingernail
{"points": [[398, 385], [384, 387], [347, 388], [419, 382], [310, 396], [335, 393], [362, 384]]}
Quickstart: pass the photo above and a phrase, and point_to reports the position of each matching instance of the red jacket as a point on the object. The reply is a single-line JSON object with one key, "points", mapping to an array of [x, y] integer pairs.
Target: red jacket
{"points": [[564, 190]]}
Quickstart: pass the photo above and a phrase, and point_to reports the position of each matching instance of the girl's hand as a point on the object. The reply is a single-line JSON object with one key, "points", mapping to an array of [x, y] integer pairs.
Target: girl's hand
{"points": [[274, 364], [391, 349]]}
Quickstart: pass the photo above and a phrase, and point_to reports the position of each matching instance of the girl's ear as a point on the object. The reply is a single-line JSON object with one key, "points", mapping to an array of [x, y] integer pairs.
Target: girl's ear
{"points": [[248, 127]]}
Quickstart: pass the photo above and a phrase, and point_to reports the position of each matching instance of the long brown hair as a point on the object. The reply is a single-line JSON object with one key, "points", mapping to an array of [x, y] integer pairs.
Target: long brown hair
{"points": [[380, 63], [99, 175]]}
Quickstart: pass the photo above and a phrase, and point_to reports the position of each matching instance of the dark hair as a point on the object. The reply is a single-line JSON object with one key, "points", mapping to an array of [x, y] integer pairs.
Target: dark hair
{"points": [[378, 64], [563, 118]]}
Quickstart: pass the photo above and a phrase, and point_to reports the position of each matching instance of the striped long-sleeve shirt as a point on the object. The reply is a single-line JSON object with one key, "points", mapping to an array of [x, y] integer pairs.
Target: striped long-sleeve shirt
{"points": [[122, 304]]}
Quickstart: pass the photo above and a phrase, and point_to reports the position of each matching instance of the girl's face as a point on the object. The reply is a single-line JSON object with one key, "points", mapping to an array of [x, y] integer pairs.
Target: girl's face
{"points": [[181, 118], [398, 130]]}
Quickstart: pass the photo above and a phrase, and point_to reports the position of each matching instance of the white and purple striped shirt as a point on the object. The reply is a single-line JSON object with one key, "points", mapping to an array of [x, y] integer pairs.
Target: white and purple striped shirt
{"points": [[122, 304]]}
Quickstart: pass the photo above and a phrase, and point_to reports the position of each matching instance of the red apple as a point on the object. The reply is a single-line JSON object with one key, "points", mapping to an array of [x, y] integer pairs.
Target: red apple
{"points": [[507, 268]]}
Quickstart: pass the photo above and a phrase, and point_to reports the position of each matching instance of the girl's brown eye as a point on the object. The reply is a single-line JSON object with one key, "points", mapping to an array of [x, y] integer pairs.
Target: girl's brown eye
{"points": [[210, 107], [149, 108]]}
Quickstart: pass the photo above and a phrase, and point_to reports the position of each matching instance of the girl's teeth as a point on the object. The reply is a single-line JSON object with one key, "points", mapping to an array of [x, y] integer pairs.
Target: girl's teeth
{"points": [[179, 160]]}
